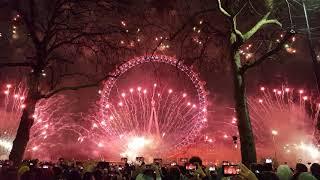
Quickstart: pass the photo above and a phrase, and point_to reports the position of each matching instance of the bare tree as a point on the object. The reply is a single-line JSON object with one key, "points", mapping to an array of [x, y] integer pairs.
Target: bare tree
{"points": [[237, 38], [61, 34]]}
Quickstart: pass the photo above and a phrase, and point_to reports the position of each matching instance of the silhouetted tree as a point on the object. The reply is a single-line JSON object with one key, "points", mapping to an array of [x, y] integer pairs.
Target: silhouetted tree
{"points": [[238, 38], [59, 36]]}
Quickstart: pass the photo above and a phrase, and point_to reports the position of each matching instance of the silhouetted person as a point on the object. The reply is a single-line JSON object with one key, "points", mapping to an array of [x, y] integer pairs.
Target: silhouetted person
{"points": [[174, 173], [88, 176], [267, 175], [315, 170], [74, 175], [300, 168], [195, 159]]}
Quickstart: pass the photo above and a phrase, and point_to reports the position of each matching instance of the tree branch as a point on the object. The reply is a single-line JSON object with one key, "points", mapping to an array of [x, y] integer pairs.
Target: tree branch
{"points": [[273, 51], [18, 64], [222, 9], [260, 24], [233, 19], [235, 29], [73, 88]]}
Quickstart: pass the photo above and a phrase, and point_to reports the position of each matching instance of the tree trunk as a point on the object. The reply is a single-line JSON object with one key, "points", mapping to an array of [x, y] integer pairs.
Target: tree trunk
{"points": [[248, 151], [26, 121]]}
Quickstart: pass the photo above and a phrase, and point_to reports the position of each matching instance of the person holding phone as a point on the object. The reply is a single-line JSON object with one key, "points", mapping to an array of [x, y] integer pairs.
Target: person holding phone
{"points": [[149, 173], [197, 163], [246, 173]]}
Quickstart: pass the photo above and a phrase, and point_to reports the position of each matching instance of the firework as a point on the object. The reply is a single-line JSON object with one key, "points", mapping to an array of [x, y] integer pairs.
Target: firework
{"points": [[148, 120], [53, 129], [284, 116], [12, 102], [282, 110]]}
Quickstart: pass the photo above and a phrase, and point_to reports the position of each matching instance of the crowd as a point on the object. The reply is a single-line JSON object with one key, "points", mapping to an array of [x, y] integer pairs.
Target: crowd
{"points": [[191, 169]]}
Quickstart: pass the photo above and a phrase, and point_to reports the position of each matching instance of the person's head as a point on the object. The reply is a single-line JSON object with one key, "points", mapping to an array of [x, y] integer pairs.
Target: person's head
{"points": [[267, 167], [267, 175], [306, 176], [301, 168], [74, 175], [195, 159], [284, 172], [98, 175], [57, 171], [174, 173], [315, 169], [149, 173], [183, 170], [88, 176]]}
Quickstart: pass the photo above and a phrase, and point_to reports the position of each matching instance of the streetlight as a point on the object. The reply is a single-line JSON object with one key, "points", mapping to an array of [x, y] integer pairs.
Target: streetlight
{"points": [[274, 133]]}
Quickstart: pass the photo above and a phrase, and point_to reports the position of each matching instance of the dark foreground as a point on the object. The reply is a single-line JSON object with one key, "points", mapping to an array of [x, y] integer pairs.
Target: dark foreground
{"points": [[192, 169]]}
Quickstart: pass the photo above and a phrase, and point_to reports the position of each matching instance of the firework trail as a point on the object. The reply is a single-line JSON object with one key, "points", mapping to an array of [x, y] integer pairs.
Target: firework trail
{"points": [[12, 102], [55, 130], [156, 116], [149, 119], [285, 110], [55, 127], [283, 117]]}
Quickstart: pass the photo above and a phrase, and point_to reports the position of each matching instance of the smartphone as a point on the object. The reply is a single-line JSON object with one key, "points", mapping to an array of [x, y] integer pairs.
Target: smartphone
{"points": [[230, 170], [191, 167], [45, 166], [119, 168], [268, 160], [173, 164], [212, 168]]}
